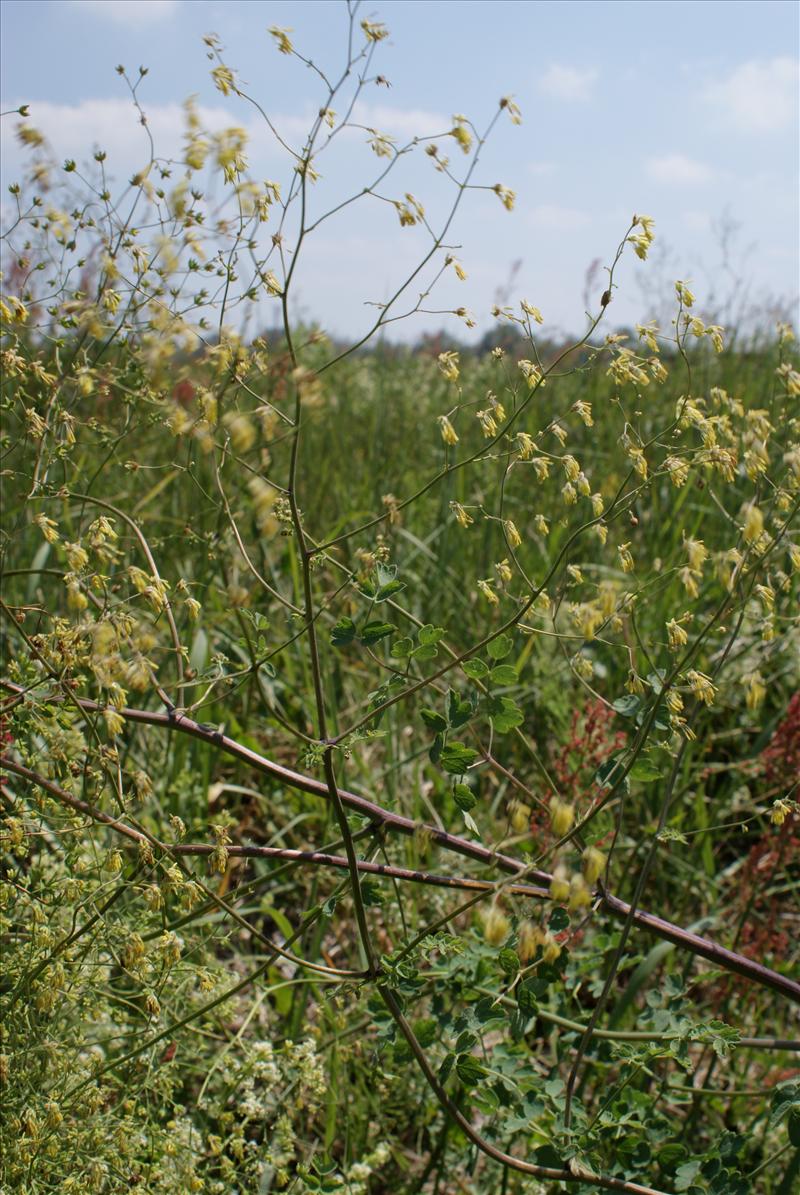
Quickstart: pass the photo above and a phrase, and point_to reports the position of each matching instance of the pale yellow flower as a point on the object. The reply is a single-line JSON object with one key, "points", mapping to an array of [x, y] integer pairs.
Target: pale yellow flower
{"points": [[463, 517], [487, 422], [282, 39], [753, 523], [448, 364], [512, 534], [449, 434], [506, 195], [486, 588], [678, 637], [527, 446], [461, 133], [702, 686], [531, 373], [534, 312], [756, 689], [223, 79], [374, 30], [512, 109], [684, 294]]}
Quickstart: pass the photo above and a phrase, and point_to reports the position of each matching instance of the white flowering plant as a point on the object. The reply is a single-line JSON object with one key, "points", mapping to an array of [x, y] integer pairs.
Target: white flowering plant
{"points": [[400, 749]]}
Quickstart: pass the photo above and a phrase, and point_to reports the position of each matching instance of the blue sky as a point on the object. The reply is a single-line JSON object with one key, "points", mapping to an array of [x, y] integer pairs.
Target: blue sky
{"points": [[685, 111]]}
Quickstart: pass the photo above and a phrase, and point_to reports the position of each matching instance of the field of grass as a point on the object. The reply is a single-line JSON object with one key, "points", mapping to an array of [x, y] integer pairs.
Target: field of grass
{"points": [[142, 985]]}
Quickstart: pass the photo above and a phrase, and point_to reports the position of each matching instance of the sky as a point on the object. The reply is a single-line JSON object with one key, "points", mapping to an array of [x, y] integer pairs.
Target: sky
{"points": [[684, 111]]}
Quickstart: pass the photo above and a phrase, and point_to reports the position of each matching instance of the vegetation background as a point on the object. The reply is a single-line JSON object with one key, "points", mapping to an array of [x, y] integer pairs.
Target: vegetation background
{"points": [[400, 742]]}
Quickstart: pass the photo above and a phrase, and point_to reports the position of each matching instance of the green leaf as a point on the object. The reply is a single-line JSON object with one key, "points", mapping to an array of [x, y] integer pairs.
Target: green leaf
{"points": [[425, 1031], [685, 1175], [466, 1041], [428, 651], [505, 714], [508, 961], [627, 706], [486, 1100], [475, 669], [471, 824], [645, 772], [388, 589], [385, 572], [401, 649], [671, 1153], [670, 834], [464, 797], [344, 632], [401, 1051], [430, 634], [374, 631], [456, 758], [458, 711], [548, 1156], [730, 1146], [527, 1001], [793, 1126], [469, 1070], [280, 919], [371, 893], [486, 1010], [504, 674], [785, 1099], [609, 772], [558, 920], [499, 648], [434, 721], [446, 1068], [721, 1037], [378, 696]]}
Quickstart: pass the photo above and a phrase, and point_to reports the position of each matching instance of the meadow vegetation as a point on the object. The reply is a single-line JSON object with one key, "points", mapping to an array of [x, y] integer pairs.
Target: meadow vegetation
{"points": [[400, 747]]}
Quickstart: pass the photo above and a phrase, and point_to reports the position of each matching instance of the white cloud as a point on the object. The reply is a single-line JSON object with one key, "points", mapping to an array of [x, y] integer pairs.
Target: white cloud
{"points": [[133, 14], [75, 130], [403, 123], [560, 219], [112, 124], [759, 96], [678, 170], [567, 82]]}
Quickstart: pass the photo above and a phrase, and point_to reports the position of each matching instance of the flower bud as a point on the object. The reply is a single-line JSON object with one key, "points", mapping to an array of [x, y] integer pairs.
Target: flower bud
{"points": [[531, 937], [496, 926], [579, 895], [520, 815], [559, 885], [562, 817], [594, 862], [550, 948]]}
